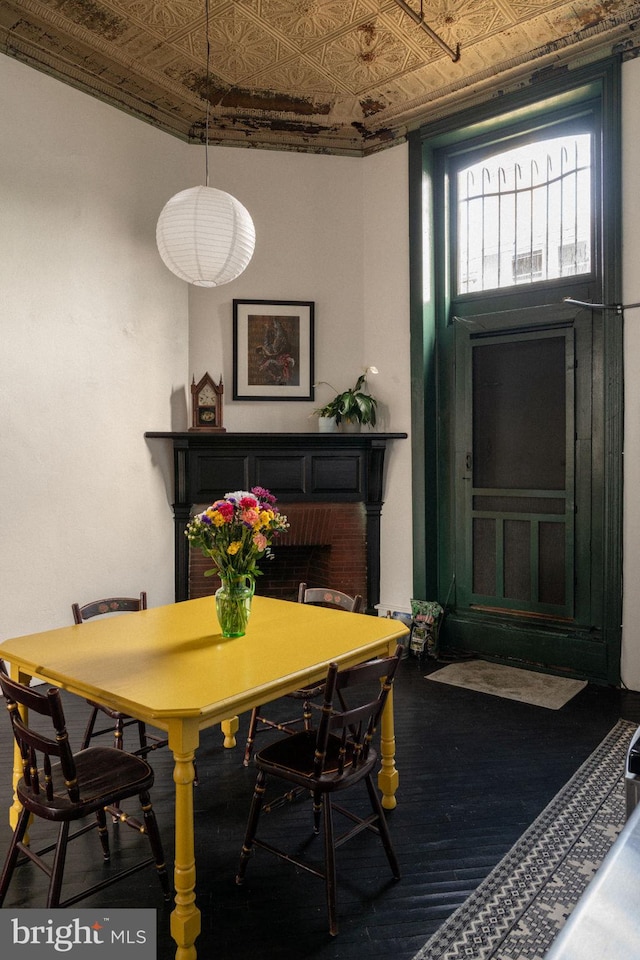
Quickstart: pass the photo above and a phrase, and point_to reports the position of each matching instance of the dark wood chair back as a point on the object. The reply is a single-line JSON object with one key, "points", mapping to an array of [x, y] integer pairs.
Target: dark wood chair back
{"points": [[339, 755], [146, 741], [31, 743], [61, 786], [98, 608], [353, 702], [258, 721], [326, 597]]}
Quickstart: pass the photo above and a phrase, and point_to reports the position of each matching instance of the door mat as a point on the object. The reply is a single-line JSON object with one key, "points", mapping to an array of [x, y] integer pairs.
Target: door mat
{"points": [[512, 683]]}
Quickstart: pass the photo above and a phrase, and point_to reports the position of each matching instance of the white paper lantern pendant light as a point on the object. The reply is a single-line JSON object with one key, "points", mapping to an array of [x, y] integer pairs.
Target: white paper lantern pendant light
{"points": [[205, 236]]}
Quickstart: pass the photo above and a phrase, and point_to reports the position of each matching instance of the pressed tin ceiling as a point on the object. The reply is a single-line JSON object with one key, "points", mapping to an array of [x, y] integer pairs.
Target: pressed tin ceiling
{"points": [[330, 76]]}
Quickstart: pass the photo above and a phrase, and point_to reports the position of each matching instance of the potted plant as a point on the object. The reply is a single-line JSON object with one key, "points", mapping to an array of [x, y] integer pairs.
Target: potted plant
{"points": [[327, 422], [353, 407]]}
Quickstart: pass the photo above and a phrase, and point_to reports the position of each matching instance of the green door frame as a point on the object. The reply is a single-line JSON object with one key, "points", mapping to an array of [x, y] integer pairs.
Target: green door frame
{"points": [[430, 301]]}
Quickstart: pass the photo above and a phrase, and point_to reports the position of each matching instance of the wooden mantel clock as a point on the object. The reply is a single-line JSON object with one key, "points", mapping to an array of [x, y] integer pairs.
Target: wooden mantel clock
{"points": [[206, 403]]}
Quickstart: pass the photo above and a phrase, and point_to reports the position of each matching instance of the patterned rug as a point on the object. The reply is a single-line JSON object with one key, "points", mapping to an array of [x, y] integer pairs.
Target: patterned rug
{"points": [[518, 910]]}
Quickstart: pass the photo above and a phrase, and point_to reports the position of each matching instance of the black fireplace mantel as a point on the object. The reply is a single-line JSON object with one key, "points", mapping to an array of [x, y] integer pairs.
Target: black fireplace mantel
{"points": [[295, 467]]}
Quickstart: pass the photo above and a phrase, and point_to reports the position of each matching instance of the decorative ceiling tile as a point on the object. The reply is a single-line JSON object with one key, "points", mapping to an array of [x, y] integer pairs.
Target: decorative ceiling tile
{"points": [[300, 75], [519, 10], [462, 21], [308, 20], [344, 76], [166, 16], [240, 47], [363, 57]]}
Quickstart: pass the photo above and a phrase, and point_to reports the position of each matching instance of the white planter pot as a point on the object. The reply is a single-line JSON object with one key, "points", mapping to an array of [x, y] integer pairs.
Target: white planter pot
{"points": [[327, 425]]}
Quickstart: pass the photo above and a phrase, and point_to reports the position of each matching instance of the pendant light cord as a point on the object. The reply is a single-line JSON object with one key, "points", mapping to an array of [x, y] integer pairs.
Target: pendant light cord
{"points": [[207, 94]]}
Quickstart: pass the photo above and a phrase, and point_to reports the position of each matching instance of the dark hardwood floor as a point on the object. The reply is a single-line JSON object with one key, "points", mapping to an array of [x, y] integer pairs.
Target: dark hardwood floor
{"points": [[475, 771]]}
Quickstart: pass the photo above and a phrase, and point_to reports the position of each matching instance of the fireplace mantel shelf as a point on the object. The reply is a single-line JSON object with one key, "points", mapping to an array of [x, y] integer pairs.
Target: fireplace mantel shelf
{"points": [[273, 439], [295, 467]]}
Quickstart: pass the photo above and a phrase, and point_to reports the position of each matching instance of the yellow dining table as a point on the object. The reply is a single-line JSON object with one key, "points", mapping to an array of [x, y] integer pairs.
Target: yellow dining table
{"points": [[171, 667]]}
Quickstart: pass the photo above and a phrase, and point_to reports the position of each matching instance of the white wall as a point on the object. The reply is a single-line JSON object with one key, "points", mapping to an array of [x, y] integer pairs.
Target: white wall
{"points": [[335, 231], [307, 212], [96, 347], [631, 294], [93, 340], [386, 332]]}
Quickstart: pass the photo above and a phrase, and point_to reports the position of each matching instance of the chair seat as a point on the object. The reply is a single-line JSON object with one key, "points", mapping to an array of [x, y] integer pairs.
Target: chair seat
{"points": [[293, 759], [338, 755], [64, 787], [105, 775], [259, 723]]}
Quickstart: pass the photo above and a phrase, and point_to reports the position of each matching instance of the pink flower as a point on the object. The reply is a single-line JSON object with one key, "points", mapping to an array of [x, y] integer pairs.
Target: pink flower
{"points": [[250, 516], [260, 541]]}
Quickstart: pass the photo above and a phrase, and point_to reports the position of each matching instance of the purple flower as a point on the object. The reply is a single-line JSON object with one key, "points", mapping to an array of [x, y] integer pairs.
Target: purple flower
{"points": [[264, 494]]}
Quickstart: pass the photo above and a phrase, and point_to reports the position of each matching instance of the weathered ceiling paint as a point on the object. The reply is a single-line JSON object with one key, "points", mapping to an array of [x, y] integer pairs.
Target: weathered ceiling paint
{"points": [[330, 76]]}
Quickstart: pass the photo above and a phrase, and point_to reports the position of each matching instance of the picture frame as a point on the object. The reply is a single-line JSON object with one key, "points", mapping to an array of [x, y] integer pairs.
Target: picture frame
{"points": [[273, 349]]}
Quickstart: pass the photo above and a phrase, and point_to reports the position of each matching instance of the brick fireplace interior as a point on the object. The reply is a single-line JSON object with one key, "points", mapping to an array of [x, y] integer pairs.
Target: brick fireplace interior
{"points": [[331, 486], [325, 546]]}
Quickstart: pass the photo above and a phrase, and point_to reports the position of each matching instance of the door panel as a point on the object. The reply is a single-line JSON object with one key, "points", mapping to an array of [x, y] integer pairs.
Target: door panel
{"points": [[524, 489], [517, 498]]}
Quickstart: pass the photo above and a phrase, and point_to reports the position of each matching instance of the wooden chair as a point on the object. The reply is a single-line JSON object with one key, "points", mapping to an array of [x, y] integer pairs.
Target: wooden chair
{"points": [[336, 757], [68, 790], [258, 723], [148, 742]]}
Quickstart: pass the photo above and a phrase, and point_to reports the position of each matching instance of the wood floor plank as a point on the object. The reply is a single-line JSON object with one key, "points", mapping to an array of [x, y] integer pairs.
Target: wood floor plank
{"points": [[475, 771]]}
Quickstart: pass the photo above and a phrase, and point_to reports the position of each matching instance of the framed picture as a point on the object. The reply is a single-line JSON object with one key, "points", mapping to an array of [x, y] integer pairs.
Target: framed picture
{"points": [[273, 350]]}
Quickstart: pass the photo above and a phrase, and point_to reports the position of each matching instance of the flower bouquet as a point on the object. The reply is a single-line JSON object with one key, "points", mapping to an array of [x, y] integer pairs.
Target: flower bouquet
{"points": [[236, 533]]}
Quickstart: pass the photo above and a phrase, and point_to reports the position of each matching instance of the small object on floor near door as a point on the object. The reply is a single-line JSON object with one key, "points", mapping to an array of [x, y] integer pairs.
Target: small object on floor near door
{"points": [[425, 628], [407, 619]]}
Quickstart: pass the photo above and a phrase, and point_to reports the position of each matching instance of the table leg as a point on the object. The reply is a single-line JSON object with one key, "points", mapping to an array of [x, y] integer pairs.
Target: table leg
{"points": [[388, 777], [230, 728], [185, 919], [16, 807]]}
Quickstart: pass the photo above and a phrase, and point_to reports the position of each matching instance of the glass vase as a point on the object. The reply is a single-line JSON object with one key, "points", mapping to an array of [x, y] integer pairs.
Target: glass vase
{"points": [[233, 605]]}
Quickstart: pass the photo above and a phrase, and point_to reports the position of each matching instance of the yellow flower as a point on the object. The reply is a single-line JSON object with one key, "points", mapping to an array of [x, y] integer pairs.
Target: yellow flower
{"points": [[215, 516], [233, 547]]}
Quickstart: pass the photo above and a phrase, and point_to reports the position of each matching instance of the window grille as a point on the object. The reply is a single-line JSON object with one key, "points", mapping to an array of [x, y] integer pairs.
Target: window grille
{"points": [[525, 215]]}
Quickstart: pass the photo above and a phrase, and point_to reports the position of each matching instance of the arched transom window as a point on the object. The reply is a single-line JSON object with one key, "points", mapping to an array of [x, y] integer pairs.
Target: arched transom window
{"points": [[524, 215]]}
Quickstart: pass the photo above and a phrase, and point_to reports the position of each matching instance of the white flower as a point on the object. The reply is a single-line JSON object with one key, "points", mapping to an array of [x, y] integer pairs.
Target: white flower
{"points": [[238, 495]]}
